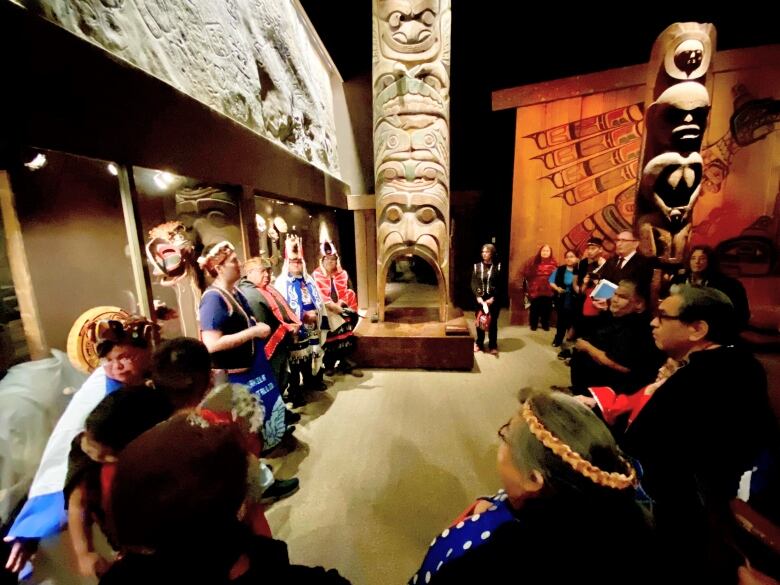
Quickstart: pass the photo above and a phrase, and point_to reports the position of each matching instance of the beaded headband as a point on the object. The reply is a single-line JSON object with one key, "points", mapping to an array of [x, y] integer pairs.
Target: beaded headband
{"points": [[613, 479]]}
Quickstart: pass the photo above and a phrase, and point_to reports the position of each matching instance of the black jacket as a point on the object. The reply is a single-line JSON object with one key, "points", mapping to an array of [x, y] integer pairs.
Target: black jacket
{"points": [[699, 432], [488, 281], [638, 269], [268, 563]]}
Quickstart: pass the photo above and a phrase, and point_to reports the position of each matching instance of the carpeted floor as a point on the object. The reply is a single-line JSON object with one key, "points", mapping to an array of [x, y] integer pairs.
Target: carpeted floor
{"points": [[388, 460]]}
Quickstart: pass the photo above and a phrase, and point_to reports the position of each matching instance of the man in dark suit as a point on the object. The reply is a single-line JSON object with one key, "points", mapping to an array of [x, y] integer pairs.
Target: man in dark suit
{"points": [[628, 263], [702, 428]]}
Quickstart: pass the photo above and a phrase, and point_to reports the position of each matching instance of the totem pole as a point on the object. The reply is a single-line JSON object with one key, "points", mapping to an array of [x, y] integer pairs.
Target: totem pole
{"points": [[676, 106], [411, 81]]}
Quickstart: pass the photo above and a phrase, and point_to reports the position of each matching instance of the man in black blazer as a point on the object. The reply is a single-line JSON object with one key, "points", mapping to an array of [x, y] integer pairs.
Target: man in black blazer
{"points": [[628, 263], [701, 429]]}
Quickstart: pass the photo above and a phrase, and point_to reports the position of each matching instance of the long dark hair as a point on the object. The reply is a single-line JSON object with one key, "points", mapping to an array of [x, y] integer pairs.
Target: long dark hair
{"points": [[538, 258]]}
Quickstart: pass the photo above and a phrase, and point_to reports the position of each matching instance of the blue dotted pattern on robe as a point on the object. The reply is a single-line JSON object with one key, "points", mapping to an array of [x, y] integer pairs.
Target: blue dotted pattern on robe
{"points": [[464, 536]]}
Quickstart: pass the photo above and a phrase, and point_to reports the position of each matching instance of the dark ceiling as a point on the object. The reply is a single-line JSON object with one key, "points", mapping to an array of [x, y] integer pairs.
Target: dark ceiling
{"points": [[497, 45]]}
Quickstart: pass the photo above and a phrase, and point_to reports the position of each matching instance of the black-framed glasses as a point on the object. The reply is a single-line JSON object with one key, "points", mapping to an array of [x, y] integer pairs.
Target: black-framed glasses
{"points": [[661, 316], [503, 430], [626, 240]]}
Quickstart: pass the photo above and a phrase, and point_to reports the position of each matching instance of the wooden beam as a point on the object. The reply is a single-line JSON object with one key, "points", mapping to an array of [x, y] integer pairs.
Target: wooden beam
{"points": [[358, 202], [20, 272], [141, 277], [569, 87], [624, 77]]}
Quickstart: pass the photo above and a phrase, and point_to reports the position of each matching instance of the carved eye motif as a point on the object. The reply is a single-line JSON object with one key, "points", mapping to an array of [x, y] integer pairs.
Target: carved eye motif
{"points": [[426, 214], [394, 214], [427, 17], [395, 19]]}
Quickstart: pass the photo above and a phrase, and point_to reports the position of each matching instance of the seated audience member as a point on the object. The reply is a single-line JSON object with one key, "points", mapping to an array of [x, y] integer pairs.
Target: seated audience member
{"points": [[124, 347], [703, 426], [181, 368], [118, 419], [702, 270], [569, 506], [176, 506], [620, 353]]}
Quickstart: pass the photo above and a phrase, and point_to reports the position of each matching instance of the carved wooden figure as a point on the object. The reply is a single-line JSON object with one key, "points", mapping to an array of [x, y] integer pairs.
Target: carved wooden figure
{"points": [[411, 136], [677, 107]]}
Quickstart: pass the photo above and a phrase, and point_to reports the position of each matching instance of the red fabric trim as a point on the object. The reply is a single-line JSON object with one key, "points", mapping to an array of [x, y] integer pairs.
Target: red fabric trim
{"points": [[273, 342], [276, 303], [107, 473], [342, 336]]}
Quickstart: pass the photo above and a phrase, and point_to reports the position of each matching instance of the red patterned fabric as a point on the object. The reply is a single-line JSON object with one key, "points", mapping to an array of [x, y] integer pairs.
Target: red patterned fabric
{"points": [[277, 303], [341, 282], [538, 278]]}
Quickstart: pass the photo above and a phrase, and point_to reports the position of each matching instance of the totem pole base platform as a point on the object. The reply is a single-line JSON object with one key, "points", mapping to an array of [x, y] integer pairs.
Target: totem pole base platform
{"points": [[413, 337]]}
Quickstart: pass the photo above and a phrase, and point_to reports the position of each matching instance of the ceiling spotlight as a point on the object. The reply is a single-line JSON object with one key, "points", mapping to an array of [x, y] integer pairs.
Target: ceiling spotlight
{"points": [[113, 169], [37, 163]]}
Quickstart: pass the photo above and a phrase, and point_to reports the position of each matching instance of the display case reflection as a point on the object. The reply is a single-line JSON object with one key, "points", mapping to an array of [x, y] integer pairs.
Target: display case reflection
{"points": [[180, 216]]}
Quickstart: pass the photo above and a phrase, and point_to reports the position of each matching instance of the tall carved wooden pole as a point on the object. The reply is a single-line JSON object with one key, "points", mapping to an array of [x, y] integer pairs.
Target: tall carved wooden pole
{"points": [[411, 82], [676, 105]]}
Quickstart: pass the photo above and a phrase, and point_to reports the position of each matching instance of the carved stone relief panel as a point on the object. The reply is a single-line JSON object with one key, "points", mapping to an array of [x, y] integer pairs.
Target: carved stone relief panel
{"points": [[411, 59], [254, 61], [677, 107]]}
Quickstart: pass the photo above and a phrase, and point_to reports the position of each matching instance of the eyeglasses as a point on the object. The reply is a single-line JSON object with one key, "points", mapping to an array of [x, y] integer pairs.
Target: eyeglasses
{"points": [[503, 430], [661, 316], [626, 240]]}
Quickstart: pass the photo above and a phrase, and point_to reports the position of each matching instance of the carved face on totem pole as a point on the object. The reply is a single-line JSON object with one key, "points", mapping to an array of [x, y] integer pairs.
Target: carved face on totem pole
{"points": [[676, 122], [411, 132]]}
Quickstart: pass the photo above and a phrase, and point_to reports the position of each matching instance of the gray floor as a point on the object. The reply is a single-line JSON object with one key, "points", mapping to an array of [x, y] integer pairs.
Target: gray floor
{"points": [[388, 460]]}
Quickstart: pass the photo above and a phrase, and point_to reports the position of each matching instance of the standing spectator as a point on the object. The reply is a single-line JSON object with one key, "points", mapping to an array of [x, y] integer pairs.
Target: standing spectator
{"points": [[341, 305], [270, 307], [562, 282], [537, 286], [487, 287], [628, 263], [233, 339], [300, 291]]}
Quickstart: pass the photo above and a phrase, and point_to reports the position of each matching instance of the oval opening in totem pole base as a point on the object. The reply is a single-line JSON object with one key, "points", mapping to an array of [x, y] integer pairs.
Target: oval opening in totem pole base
{"points": [[412, 289]]}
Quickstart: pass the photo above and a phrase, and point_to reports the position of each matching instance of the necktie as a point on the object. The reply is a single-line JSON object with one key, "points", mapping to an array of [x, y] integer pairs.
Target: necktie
{"points": [[621, 262]]}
